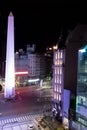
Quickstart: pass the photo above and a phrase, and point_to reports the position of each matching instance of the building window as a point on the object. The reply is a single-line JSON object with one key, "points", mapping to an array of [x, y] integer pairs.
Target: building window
{"points": [[57, 62], [61, 55], [60, 62], [54, 95], [60, 79], [55, 88], [60, 71], [55, 79], [59, 97], [59, 89], [55, 71], [56, 56]]}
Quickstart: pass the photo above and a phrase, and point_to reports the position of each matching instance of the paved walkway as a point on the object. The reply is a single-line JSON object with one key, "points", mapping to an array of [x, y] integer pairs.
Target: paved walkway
{"points": [[49, 124]]}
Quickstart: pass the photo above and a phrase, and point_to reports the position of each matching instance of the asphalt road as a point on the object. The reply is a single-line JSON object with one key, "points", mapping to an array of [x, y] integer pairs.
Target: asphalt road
{"points": [[28, 100]]}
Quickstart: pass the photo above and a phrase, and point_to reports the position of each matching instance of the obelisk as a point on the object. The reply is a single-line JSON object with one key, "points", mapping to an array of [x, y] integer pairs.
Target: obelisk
{"points": [[9, 70]]}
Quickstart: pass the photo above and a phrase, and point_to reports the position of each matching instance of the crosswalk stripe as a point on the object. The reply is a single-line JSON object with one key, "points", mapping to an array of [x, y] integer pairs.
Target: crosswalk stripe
{"points": [[24, 118], [0, 122], [4, 121], [19, 119], [27, 117], [14, 119], [7, 121], [10, 120]]}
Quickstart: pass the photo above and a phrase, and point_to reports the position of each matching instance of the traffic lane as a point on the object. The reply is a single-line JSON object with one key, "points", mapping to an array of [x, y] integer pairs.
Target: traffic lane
{"points": [[27, 101], [18, 108]]}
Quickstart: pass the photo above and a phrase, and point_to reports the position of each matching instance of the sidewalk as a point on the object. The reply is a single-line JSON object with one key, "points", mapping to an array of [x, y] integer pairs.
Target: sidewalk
{"points": [[48, 123]]}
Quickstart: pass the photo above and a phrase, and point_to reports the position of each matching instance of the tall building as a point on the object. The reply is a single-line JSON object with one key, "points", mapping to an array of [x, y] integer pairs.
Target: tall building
{"points": [[81, 98], [76, 39], [58, 78], [69, 85], [34, 64]]}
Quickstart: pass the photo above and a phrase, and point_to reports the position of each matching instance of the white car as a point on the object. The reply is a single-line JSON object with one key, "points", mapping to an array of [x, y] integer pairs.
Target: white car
{"points": [[30, 127]]}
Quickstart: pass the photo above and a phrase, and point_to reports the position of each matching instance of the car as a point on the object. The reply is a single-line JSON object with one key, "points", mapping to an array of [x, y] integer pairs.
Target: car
{"points": [[30, 127]]}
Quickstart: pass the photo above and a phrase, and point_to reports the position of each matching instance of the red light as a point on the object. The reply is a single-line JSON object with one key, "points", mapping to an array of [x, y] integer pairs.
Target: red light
{"points": [[19, 73]]}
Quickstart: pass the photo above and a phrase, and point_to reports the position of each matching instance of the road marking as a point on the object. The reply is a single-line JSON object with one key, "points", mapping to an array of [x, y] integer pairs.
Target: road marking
{"points": [[18, 119]]}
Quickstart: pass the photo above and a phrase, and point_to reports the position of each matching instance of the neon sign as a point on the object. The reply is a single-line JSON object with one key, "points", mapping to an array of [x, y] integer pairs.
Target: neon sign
{"points": [[23, 72]]}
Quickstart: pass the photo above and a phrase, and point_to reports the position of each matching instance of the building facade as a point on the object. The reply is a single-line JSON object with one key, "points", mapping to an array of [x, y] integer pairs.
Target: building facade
{"points": [[30, 67], [58, 78], [76, 40], [81, 101], [70, 76]]}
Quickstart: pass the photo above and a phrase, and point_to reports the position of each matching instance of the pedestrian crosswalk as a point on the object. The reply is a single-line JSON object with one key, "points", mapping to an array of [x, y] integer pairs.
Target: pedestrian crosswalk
{"points": [[18, 119], [26, 117]]}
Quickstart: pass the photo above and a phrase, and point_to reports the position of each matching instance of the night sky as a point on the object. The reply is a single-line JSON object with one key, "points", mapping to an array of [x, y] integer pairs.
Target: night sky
{"points": [[39, 23]]}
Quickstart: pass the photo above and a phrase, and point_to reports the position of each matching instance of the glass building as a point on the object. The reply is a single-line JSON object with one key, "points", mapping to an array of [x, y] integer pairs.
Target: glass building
{"points": [[81, 100]]}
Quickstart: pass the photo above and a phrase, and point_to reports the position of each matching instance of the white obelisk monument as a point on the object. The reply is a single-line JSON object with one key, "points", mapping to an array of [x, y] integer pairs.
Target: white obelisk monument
{"points": [[9, 70]]}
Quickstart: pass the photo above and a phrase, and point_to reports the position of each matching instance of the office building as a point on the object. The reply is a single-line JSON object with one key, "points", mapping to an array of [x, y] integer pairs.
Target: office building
{"points": [[75, 40], [30, 67], [81, 96]]}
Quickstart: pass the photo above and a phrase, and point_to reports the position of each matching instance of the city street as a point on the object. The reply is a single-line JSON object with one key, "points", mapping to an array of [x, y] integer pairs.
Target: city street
{"points": [[29, 102], [19, 122]]}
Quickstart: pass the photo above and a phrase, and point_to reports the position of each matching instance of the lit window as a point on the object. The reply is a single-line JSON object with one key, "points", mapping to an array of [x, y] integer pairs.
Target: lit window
{"points": [[59, 89], [60, 62], [55, 62], [59, 97], [61, 55], [56, 55], [85, 70], [55, 79], [60, 79], [55, 88], [55, 71], [58, 70], [54, 95], [81, 120]]}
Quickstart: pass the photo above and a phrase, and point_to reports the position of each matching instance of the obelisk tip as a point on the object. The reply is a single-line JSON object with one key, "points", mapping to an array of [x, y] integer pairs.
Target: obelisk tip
{"points": [[11, 14]]}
